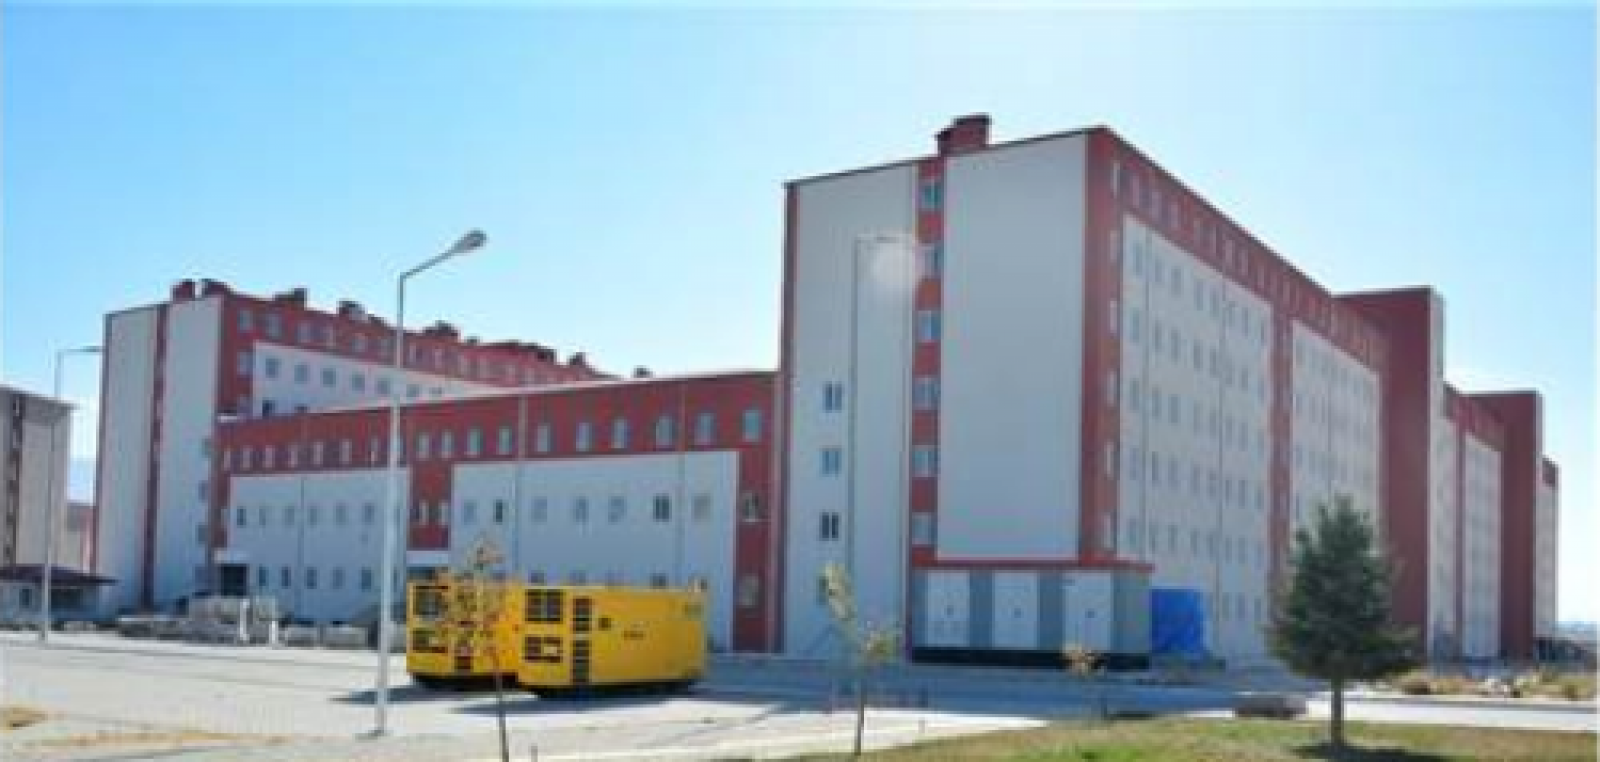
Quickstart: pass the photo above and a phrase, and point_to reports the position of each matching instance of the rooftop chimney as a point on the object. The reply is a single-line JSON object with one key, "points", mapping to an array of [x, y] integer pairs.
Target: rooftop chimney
{"points": [[183, 290], [641, 372], [294, 296], [966, 133], [350, 309], [209, 287]]}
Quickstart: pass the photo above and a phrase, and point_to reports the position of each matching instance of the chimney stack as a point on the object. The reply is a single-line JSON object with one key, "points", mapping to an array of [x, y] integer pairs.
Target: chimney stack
{"points": [[966, 133]]}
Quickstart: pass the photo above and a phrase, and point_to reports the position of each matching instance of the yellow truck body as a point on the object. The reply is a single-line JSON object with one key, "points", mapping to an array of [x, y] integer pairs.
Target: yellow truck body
{"points": [[576, 638], [446, 642]]}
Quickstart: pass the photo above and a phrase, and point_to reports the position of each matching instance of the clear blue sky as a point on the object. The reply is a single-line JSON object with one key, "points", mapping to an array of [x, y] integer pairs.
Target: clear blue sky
{"points": [[627, 163]]}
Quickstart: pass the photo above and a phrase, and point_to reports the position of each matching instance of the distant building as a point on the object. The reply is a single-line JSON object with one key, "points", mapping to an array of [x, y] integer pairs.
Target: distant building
{"points": [[35, 433]]}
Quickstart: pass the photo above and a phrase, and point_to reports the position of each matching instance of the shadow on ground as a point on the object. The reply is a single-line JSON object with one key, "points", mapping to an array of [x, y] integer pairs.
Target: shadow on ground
{"points": [[1327, 751]]}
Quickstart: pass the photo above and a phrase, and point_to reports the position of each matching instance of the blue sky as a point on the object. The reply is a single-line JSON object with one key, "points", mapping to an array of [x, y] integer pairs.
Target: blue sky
{"points": [[627, 163]]}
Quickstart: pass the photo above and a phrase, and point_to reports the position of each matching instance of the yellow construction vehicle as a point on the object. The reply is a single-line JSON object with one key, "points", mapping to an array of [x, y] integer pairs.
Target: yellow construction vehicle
{"points": [[576, 639], [448, 643]]}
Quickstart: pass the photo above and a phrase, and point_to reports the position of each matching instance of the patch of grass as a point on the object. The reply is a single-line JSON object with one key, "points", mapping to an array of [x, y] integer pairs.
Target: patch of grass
{"points": [[19, 717], [1189, 740]]}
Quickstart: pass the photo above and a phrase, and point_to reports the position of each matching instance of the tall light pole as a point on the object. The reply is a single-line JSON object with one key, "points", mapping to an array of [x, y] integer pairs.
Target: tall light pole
{"points": [[468, 243], [47, 571]]}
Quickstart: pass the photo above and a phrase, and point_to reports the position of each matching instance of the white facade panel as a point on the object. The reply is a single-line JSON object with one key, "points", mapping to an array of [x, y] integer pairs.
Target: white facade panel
{"points": [[1546, 561], [1196, 394], [851, 333], [1443, 628], [1480, 593], [125, 404], [188, 415], [1012, 352], [286, 379], [948, 596], [1088, 610], [1016, 610]]}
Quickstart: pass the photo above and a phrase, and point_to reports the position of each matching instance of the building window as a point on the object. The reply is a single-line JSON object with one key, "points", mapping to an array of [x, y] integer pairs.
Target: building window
{"points": [[661, 508], [240, 516], [828, 526], [832, 461], [268, 457], [246, 320], [447, 445], [832, 397], [499, 511], [369, 513], [262, 577], [358, 382], [700, 507], [930, 195], [541, 438], [330, 336], [285, 578], [619, 434], [336, 580], [927, 326], [925, 392], [750, 425], [749, 507], [503, 441], [311, 578], [580, 510], [381, 386], [541, 510], [932, 260], [923, 529], [424, 448], [469, 512], [347, 451], [366, 579], [705, 426], [584, 437], [474, 442], [243, 362], [924, 460], [616, 510], [749, 591], [270, 366], [441, 513], [302, 373], [330, 377], [664, 432]]}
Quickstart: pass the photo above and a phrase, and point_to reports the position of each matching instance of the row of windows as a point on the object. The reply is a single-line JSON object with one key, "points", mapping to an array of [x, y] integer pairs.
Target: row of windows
{"points": [[442, 444], [1281, 283], [924, 527], [1245, 492], [379, 347], [924, 461], [1171, 540], [498, 512], [1168, 342]]}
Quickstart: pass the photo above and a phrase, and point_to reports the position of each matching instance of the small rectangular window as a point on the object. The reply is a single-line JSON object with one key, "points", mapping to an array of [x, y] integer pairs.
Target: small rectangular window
{"points": [[924, 460], [749, 507], [424, 448], [330, 377], [749, 591], [619, 434], [580, 510], [927, 326], [661, 508], [930, 195], [474, 442], [705, 426], [447, 445], [932, 260], [665, 432], [243, 362], [504, 441], [700, 508], [925, 393], [923, 529], [750, 425], [832, 461], [246, 320], [541, 438], [584, 437]]}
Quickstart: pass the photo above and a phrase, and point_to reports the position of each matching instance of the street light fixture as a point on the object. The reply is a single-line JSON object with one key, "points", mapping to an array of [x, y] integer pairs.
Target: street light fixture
{"points": [[467, 244], [47, 570]]}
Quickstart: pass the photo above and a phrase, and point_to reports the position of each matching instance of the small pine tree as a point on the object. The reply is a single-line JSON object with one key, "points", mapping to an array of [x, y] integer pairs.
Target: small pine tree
{"points": [[1333, 621]]}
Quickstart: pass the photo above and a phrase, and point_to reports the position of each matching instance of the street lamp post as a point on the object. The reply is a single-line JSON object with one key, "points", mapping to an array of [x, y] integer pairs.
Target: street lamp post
{"points": [[470, 242], [47, 571]]}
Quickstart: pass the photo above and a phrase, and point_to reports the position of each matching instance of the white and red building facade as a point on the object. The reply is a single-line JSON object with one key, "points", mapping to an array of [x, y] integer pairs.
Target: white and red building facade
{"points": [[1025, 390]]}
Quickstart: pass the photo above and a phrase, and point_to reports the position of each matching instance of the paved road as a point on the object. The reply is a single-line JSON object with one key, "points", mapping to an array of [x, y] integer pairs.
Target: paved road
{"points": [[314, 704]]}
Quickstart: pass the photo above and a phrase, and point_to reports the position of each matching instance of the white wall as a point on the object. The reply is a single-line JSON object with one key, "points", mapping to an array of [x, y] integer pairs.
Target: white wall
{"points": [[1012, 353], [1480, 594], [188, 415], [1196, 392], [1547, 549], [125, 407], [631, 551], [274, 380], [1443, 554], [43, 479], [846, 230]]}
